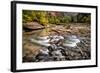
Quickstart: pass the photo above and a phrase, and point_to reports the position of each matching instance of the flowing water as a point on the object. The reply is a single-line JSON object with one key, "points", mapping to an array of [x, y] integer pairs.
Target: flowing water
{"points": [[71, 44]]}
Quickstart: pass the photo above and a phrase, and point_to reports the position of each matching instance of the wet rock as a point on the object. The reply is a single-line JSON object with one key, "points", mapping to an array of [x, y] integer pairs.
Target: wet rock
{"points": [[56, 51], [42, 57], [29, 59]]}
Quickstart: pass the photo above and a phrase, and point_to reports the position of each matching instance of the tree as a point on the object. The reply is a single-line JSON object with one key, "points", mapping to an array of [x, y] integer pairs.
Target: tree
{"points": [[84, 17], [43, 18]]}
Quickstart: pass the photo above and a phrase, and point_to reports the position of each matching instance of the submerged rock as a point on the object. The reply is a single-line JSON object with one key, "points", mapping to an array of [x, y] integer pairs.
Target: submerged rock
{"points": [[61, 48], [67, 41]]}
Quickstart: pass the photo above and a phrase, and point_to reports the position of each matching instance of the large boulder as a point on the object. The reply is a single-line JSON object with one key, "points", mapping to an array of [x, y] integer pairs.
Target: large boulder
{"points": [[32, 25]]}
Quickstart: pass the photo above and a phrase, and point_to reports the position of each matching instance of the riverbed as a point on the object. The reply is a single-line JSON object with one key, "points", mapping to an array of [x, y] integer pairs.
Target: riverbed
{"points": [[40, 46]]}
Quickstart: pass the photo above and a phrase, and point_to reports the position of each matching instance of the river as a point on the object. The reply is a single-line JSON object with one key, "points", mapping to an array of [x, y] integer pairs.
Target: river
{"points": [[73, 47]]}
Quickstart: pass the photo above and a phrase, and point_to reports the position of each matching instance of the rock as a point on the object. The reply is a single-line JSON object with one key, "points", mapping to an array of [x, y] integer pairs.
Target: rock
{"points": [[28, 59], [32, 26], [42, 57], [30, 51]]}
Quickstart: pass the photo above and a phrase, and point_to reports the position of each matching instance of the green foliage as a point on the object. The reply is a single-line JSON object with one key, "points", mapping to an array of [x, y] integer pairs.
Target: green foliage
{"points": [[54, 20], [44, 18], [84, 18], [39, 16], [27, 16], [65, 19], [58, 19]]}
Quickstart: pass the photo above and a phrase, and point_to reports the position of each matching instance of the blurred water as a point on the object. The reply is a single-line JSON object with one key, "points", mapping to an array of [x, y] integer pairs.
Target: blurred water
{"points": [[43, 38]]}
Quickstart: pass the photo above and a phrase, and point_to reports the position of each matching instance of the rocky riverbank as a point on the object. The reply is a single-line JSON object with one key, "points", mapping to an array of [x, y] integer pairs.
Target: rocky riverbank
{"points": [[32, 52]]}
